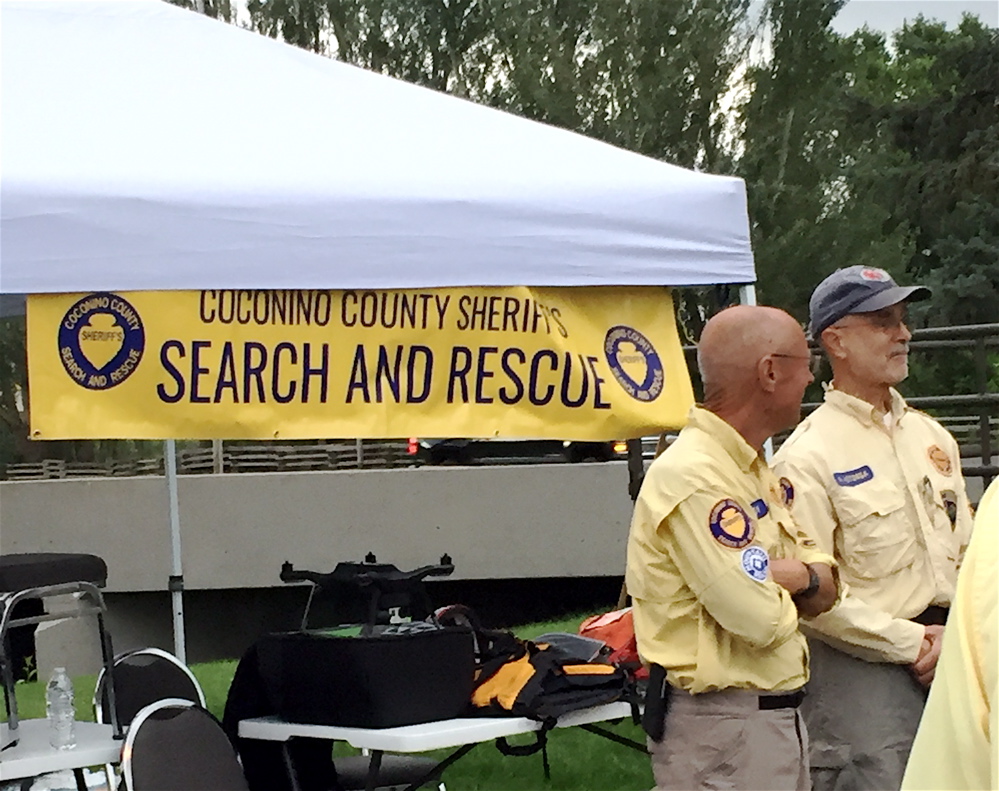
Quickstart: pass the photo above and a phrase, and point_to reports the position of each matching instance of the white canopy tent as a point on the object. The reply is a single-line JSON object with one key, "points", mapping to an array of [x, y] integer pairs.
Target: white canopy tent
{"points": [[146, 147]]}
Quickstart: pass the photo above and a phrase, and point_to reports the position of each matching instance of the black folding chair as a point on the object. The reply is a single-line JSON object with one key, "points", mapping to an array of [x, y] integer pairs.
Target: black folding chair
{"points": [[141, 677], [176, 744]]}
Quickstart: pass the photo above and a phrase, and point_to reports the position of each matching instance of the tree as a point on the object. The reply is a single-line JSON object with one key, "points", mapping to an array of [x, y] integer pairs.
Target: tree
{"points": [[944, 118], [14, 443], [810, 173]]}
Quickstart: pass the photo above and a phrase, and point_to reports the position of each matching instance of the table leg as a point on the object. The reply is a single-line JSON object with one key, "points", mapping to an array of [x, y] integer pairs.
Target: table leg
{"points": [[289, 766], [438, 770], [615, 737]]}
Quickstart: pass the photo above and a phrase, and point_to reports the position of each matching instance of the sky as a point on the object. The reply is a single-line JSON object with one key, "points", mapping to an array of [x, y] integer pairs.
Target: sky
{"points": [[888, 15]]}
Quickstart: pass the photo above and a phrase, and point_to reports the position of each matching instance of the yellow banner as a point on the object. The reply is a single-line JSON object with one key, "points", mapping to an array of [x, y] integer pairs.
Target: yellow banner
{"points": [[562, 363]]}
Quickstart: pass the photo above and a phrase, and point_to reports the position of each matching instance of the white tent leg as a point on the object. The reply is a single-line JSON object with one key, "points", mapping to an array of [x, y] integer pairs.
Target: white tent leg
{"points": [[176, 583]]}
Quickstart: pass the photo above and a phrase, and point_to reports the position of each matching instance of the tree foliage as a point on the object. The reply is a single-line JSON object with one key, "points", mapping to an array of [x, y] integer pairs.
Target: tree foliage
{"points": [[861, 152]]}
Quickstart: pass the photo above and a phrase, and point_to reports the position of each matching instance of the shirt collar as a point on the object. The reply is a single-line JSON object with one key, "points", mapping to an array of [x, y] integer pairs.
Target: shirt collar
{"points": [[866, 413], [730, 440]]}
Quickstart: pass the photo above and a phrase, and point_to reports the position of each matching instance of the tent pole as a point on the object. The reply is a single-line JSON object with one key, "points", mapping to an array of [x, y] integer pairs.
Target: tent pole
{"points": [[176, 583]]}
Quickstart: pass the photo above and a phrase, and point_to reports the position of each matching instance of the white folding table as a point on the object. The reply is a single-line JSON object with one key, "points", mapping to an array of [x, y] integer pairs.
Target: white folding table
{"points": [[33, 755], [461, 733]]}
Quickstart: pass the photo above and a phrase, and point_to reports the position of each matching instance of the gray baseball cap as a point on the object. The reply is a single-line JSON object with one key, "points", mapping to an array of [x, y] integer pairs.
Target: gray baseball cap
{"points": [[856, 289]]}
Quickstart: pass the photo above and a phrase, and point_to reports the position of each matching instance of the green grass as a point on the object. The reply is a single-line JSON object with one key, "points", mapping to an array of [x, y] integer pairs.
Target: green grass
{"points": [[578, 759]]}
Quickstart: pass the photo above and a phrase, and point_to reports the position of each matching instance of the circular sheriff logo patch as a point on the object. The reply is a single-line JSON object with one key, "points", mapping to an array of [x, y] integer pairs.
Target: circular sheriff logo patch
{"points": [[731, 525], [101, 340], [940, 459], [635, 363]]}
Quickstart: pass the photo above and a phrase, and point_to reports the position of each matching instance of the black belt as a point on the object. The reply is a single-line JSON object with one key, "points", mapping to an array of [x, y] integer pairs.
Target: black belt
{"points": [[934, 615], [789, 701]]}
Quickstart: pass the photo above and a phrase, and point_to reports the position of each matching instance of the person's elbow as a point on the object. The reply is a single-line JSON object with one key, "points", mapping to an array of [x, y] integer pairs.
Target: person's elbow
{"points": [[764, 620]]}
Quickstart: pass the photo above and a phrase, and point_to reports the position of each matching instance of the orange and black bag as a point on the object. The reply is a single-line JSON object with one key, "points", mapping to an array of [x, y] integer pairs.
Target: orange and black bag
{"points": [[540, 681]]}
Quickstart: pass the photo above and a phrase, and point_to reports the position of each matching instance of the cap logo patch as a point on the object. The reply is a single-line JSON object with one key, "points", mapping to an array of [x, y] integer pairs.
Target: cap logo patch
{"points": [[854, 477], [755, 562], [940, 460], [731, 525], [874, 274]]}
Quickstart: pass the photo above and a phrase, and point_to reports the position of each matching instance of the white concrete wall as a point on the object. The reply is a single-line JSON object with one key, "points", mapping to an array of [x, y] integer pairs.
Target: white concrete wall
{"points": [[549, 520]]}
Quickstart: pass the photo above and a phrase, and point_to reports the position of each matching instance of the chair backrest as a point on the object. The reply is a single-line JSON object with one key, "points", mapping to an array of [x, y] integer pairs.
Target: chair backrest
{"points": [[142, 677], [176, 744]]}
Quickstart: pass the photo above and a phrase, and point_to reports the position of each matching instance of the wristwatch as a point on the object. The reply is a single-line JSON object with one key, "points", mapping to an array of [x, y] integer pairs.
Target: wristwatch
{"points": [[813, 584]]}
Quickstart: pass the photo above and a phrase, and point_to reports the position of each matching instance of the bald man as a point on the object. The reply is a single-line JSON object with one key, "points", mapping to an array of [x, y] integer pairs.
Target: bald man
{"points": [[719, 573]]}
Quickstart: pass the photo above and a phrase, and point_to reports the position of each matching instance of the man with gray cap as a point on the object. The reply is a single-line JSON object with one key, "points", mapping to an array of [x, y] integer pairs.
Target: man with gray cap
{"points": [[879, 484]]}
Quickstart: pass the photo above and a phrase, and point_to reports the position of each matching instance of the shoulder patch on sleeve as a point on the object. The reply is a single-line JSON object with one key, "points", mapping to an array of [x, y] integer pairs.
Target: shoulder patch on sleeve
{"points": [[755, 562], [731, 525], [940, 460], [786, 492]]}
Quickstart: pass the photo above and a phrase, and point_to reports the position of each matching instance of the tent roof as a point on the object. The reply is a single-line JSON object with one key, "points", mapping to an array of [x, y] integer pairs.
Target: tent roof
{"points": [[148, 147]]}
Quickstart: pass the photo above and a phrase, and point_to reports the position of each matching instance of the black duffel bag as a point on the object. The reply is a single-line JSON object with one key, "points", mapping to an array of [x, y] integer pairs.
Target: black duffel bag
{"points": [[377, 681]]}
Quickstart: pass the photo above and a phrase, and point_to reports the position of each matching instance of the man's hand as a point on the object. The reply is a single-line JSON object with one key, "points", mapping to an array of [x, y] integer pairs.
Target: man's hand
{"points": [[925, 666]]}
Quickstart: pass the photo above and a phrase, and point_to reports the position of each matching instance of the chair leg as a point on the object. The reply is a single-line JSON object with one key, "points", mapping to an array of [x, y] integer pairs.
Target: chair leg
{"points": [[81, 781], [111, 776]]}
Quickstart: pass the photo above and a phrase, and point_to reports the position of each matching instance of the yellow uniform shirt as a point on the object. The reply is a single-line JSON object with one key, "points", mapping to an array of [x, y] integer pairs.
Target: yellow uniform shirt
{"points": [[885, 496], [956, 746], [707, 521]]}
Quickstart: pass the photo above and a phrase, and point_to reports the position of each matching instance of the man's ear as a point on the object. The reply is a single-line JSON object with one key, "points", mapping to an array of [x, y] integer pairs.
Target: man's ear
{"points": [[832, 342], [766, 373]]}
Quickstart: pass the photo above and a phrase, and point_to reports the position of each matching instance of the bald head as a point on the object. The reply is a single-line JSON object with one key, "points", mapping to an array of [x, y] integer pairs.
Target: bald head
{"points": [[735, 340]]}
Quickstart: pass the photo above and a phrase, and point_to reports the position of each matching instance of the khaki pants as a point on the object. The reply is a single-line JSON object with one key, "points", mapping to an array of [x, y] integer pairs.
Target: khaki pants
{"points": [[723, 740]]}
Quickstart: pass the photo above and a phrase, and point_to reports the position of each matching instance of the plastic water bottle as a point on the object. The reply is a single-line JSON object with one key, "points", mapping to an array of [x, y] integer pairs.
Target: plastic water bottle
{"points": [[60, 710]]}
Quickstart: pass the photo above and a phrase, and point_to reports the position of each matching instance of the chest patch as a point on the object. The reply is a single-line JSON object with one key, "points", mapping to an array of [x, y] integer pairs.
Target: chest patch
{"points": [[950, 506], [755, 562], [731, 525], [761, 508], [786, 492], [940, 460], [854, 477]]}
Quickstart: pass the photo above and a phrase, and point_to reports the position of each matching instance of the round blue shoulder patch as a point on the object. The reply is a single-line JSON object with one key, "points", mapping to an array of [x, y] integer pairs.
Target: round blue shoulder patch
{"points": [[731, 525], [755, 562]]}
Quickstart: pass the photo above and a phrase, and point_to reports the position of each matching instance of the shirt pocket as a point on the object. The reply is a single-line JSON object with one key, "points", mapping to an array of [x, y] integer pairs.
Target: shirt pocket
{"points": [[874, 538]]}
